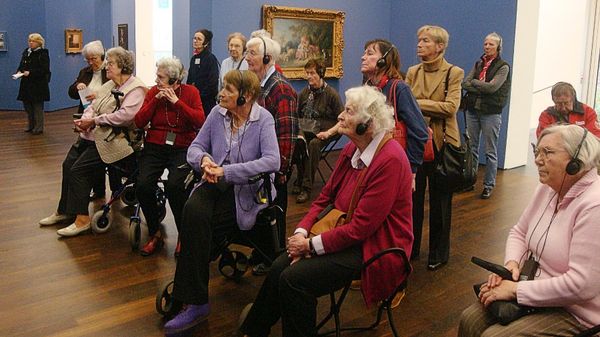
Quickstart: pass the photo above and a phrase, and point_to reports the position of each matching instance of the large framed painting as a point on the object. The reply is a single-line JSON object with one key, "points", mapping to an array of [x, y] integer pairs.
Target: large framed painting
{"points": [[306, 33], [73, 41]]}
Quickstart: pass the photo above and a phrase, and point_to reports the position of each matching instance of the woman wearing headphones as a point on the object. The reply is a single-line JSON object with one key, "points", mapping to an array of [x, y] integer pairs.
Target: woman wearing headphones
{"points": [[237, 142], [436, 86], [557, 235], [204, 69], [488, 87], [380, 65], [175, 114]]}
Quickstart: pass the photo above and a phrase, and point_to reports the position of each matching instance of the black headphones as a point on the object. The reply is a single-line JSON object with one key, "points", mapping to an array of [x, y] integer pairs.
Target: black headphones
{"points": [[361, 128], [575, 164], [381, 63], [241, 100], [266, 58], [172, 81]]}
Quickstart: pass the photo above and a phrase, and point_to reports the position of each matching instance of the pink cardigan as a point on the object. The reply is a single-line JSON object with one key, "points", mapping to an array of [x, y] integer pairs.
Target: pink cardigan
{"points": [[382, 218], [570, 263]]}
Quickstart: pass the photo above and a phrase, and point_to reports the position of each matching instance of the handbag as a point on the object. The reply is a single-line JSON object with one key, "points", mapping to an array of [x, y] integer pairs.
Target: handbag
{"points": [[331, 217], [400, 134]]}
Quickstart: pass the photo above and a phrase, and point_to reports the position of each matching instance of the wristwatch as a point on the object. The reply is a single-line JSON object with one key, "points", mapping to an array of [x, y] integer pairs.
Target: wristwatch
{"points": [[311, 247]]}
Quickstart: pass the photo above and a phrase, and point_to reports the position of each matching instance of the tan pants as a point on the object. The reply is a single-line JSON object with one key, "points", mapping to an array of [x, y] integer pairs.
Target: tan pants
{"points": [[475, 322]]}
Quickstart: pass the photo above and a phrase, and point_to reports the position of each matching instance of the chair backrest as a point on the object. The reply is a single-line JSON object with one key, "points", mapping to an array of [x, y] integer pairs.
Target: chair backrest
{"points": [[330, 146]]}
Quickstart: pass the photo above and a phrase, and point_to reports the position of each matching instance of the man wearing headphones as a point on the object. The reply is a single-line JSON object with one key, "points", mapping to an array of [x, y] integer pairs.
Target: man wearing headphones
{"points": [[236, 44], [277, 96], [567, 110], [174, 112], [204, 69], [319, 105]]}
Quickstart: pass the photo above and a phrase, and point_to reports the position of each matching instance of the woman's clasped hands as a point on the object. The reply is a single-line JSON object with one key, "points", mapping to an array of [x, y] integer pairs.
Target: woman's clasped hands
{"points": [[211, 171], [496, 289], [297, 247]]}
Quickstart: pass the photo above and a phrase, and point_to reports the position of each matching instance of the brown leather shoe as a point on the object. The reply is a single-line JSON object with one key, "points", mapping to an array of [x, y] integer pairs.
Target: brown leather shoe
{"points": [[153, 245]]}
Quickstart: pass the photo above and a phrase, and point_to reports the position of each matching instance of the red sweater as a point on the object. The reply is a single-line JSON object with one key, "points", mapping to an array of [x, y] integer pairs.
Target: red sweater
{"points": [[155, 112], [382, 218]]}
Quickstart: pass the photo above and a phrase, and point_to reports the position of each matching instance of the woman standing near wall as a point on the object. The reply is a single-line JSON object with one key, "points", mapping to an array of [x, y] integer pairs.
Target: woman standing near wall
{"points": [[34, 69], [436, 84]]}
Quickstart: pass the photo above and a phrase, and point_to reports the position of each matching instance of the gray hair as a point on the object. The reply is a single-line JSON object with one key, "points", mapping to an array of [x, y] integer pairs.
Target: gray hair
{"points": [[370, 103], [94, 48], [173, 67], [37, 37], [260, 33], [124, 59], [572, 136], [273, 47], [497, 38]]}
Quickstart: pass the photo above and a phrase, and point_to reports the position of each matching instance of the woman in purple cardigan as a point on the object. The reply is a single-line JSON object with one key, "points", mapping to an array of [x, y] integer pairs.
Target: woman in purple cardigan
{"points": [[381, 219], [236, 142]]}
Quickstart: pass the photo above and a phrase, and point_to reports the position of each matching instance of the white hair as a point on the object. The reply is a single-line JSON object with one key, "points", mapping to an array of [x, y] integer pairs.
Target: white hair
{"points": [[173, 67], [94, 48], [273, 47], [370, 103], [572, 136]]}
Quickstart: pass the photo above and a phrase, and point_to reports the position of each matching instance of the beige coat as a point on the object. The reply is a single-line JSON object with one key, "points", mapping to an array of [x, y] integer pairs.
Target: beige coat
{"points": [[427, 81]]}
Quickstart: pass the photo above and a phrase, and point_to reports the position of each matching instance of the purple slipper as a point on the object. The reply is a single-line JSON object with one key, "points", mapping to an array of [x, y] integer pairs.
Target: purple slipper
{"points": [[188, 318]]}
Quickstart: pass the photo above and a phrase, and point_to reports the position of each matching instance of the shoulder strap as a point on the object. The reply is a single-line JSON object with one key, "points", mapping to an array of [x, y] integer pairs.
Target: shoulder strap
{"points": [[447, 80], [392, 96], [354, 199]]}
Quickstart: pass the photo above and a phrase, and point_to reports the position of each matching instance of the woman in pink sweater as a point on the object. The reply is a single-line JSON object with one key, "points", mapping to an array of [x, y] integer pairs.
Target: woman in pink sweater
{"points": [[559, 233]]}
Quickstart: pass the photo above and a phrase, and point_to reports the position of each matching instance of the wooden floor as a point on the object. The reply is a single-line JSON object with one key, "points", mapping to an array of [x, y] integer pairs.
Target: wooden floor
{"points": [[95, 285]]}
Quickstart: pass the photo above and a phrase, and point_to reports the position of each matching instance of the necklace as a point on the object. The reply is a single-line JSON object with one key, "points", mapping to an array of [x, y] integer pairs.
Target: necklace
{"points": [[167, 112]]}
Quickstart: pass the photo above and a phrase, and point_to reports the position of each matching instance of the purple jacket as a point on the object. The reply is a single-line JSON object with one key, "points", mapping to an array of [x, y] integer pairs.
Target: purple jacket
{"points": [[253, 151]]}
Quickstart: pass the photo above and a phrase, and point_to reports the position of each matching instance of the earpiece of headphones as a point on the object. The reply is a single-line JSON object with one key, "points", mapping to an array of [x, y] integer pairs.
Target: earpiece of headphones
{"points": [[575, 164], [361, 128], [241, 100], [172, 81], [321, 72], [266, 58], [381, 63]]}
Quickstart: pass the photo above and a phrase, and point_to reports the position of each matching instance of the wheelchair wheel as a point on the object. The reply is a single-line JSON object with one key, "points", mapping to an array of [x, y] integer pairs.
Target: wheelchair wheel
{"points": [[166, 305], [233, 264], [128, 196], [100, 222], [135, 233]]}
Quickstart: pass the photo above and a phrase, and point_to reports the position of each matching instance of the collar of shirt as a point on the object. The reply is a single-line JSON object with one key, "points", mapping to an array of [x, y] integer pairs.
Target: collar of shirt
{"points": [[267, 75], [254, 112], [365, 158]]}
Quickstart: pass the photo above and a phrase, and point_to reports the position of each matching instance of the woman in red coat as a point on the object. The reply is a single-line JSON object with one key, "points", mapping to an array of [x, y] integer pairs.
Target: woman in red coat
{"points": [[381, 219], [174, 112]]}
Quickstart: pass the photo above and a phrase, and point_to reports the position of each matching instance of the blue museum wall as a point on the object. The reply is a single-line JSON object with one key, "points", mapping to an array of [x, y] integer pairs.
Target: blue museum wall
{"points": [[16, 20], [80, 14], [467, 22]]}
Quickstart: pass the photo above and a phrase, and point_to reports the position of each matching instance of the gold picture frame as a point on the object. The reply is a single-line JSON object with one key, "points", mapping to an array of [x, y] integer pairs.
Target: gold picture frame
{"points": [[73, 41], [305, 33]]}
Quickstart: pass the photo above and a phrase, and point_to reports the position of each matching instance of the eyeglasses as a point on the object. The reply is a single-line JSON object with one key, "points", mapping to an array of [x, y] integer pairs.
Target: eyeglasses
{"points": [[544, 152]]}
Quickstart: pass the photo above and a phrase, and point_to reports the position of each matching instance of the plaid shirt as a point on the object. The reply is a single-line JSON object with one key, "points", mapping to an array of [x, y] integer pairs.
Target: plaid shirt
{"points": [[279, 98]]}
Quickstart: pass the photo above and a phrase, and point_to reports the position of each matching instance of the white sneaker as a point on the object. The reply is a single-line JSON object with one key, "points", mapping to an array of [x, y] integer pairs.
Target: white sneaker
{"points": [[72, 230], [54, 219]]}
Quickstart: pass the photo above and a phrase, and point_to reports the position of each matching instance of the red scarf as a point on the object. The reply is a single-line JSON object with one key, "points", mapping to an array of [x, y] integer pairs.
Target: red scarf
{"points": [[485, 67]]}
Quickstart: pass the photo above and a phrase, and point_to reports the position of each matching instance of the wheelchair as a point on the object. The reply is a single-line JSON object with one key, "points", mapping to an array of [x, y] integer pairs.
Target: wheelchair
{"points": [[127, 174], [233, 264]]}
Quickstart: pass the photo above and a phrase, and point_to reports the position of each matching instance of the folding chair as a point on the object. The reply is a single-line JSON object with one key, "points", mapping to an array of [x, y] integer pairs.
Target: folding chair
{"points": [[325, 151], [387, 304]]}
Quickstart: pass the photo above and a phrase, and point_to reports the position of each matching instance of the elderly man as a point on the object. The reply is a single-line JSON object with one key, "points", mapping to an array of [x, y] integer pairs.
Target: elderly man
{"points": [[567, 110], [277, 96]]}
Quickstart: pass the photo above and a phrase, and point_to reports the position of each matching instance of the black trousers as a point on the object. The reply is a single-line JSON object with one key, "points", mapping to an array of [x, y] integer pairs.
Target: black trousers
{"points": [[282, 201], [80, 171], [35, 115], [291, 292], [152, 163], [208, 216], [440, 217]]}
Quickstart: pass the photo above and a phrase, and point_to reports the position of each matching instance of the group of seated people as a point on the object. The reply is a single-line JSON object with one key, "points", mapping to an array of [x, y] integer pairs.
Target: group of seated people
{"points": [[254, 130]]}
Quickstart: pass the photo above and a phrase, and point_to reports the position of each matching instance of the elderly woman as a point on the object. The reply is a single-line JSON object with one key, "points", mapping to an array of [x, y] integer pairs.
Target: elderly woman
{"points": [[318, 106], [236, 44], [488, 87], [204, 69], [559, 232], [93, 77], [435, 83], [34, 70], [237, 142], [174, 112], [380, 66], [102, 140], [381, 219]]}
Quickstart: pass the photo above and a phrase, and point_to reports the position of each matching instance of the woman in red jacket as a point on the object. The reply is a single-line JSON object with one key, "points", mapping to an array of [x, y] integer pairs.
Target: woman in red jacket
{"points": [[174, 112], [381, 219]]}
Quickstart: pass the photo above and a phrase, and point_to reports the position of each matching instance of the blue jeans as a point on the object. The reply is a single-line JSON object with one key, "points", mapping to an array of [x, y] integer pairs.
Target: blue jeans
{"points": [[489, 126]]}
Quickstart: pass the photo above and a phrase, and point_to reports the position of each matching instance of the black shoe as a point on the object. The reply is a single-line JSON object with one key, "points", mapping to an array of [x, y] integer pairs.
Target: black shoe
{"points": [[302, 197], [487, 193], [27, 130], [260, 269], [35, 133], [436, 266]]}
